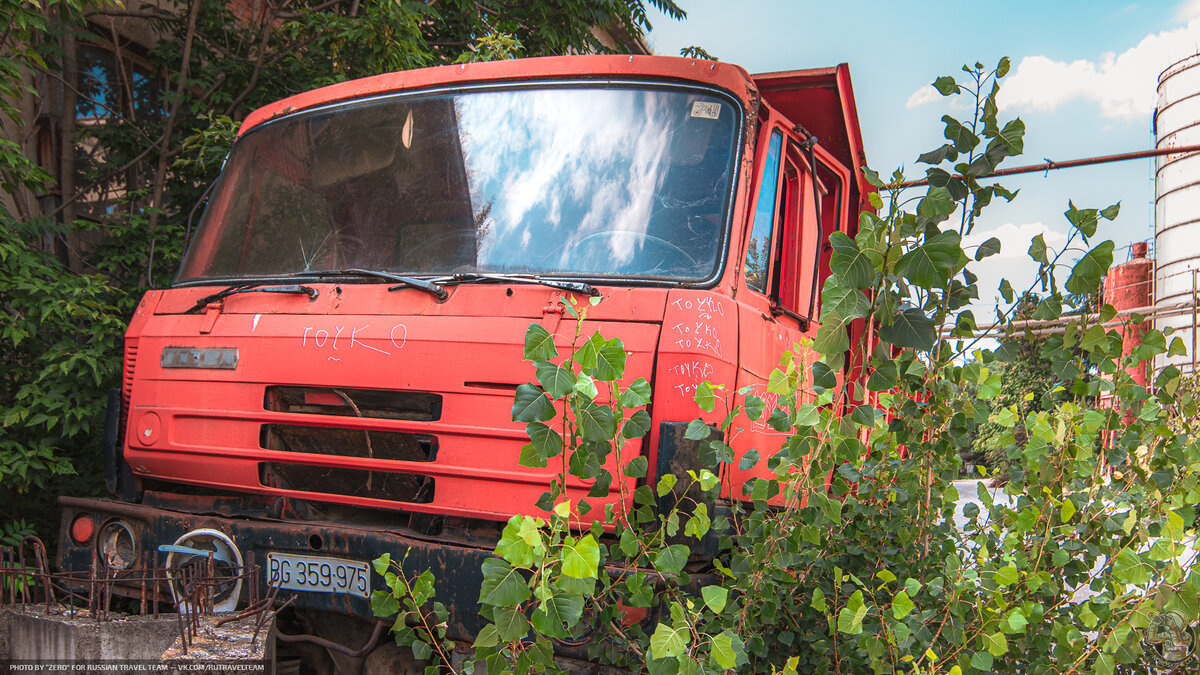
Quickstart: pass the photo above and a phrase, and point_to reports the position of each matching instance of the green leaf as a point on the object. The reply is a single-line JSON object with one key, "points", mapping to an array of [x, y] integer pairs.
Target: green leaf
{"points": [[715, 597], [818, 601], [666, 483], [636, 468], [488, 637], [754, 407], [581, 557], [637, 395], [958, 133], [558, 382], [531, 405], [850, 618], [539, 344], [557, 614], [912, 329], [945, 153], [844, 301], [595, 422], [996, 643], [610, 361], [697, 430], [723, 656], [864, 415], [502, 584], [1005, 576], [705, 397], [1006, 291], [1037, 250], [945, 85], [933, 263], [832, 337], [1068, 510], [544, 441], [668, 641], [982, 661], [637, 426], [987, 248], [749, 459], [807, 415], [511, 623], [1015, 622], [1084, 220], [902, 605], [1091, 268], [671, 559], [849, 264]]}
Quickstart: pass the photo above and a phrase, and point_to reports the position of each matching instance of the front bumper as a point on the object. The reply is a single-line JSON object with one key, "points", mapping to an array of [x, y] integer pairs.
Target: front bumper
{"points": [[456, 568]]}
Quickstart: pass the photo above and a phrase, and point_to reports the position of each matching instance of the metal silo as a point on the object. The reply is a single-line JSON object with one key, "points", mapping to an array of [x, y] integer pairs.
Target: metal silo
{"points": [[1177, 203]]}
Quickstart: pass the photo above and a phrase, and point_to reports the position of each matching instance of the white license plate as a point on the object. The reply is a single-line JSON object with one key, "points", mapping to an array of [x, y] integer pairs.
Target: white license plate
{"points": [[318, 574]]}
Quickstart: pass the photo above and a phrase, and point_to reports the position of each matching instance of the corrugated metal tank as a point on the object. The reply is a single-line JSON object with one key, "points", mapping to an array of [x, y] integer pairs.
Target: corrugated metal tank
{"points": [[1177, 198], [1127, 286]]}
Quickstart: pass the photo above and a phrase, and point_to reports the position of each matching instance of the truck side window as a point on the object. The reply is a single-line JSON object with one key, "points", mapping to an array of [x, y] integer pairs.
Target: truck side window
{"points": [[758, 254], [798, 251]]}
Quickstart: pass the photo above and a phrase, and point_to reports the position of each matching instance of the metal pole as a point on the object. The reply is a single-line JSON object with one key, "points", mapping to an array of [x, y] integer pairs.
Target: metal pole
{"points": [[1052, 166]]}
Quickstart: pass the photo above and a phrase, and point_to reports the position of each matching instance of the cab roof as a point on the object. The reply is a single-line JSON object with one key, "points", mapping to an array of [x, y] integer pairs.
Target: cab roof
{"points": [[728, 77]]}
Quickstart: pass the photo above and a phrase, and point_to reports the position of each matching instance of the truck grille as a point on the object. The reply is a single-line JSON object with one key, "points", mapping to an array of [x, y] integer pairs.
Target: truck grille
{"points": [[390, 445], [127, 379], [374, 403], [399, 487]]}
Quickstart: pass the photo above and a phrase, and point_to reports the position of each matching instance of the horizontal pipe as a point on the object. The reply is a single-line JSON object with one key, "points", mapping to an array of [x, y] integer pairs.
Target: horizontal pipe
{"points": [[1052, 166]]}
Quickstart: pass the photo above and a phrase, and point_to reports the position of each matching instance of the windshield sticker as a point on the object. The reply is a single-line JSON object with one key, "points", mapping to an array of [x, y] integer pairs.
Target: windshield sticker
{"points": [[708, 110]]}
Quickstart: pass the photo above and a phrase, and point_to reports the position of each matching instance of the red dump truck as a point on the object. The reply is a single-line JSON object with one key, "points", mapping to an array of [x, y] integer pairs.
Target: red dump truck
{"points": [[331, 375]]}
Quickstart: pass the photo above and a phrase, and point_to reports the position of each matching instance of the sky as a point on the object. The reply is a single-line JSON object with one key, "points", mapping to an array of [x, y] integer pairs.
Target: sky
{"points": [[1083, 79]]}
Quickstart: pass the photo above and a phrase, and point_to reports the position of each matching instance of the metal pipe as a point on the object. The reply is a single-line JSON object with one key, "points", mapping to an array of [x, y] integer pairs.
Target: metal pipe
{"points": [[322, 642], [1052, 166]]}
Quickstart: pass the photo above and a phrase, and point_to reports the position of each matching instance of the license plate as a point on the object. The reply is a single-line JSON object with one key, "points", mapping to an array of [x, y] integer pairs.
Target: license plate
{"points": [[318, 574]]}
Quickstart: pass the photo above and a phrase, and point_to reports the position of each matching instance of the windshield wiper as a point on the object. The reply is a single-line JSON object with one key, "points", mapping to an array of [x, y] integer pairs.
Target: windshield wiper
{"points": [[254, 287], [404, 282], [572, 286]]}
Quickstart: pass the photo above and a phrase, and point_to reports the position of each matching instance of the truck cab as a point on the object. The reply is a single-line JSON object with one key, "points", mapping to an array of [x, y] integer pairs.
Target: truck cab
{"points": [[331, 375]]}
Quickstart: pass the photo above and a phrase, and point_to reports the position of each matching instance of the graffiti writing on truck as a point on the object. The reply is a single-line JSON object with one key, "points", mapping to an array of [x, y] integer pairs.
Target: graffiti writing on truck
{"points": [[697, 333], [348, 336], [692, 374]]}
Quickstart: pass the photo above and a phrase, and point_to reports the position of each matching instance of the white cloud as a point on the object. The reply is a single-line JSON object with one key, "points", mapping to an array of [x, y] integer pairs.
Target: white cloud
{"points": [[1012, 263], [926, 94], [1014, 239], [1187, 10], [1124, 85]]}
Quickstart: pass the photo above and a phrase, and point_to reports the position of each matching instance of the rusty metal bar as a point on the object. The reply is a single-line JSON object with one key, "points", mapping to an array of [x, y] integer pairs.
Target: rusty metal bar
{"points": [[93, 603], [145, 569], [21, 572], [1053, 166], [155, 573], [352, 653]]}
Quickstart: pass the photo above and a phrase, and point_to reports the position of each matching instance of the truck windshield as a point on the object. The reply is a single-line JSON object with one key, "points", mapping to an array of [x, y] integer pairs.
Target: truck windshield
{"points": [[562, 180]]}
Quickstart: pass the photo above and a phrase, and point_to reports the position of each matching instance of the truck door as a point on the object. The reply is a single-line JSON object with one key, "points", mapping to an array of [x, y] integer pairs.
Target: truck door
{"points": [[780, 301]]}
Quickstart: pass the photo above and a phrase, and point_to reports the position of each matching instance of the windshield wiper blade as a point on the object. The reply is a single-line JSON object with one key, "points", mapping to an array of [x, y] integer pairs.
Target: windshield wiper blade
{"points": [[572, 286], [254, 287], [430, 287]]}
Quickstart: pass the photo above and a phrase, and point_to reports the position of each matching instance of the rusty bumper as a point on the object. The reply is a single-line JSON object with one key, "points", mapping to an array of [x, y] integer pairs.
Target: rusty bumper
{"points": [[455, 567]]}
